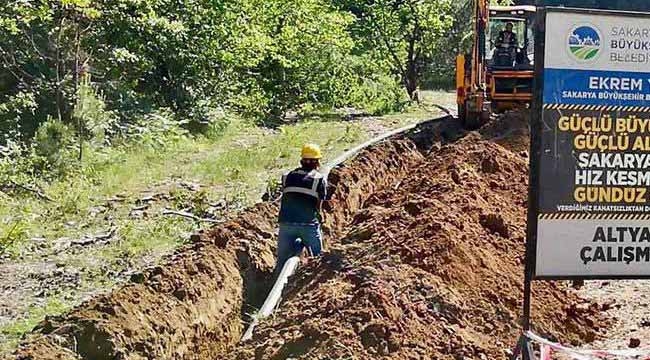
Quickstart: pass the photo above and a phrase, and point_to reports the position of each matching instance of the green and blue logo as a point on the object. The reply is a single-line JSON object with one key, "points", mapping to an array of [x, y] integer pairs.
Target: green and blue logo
{"points": [[584, 43]]}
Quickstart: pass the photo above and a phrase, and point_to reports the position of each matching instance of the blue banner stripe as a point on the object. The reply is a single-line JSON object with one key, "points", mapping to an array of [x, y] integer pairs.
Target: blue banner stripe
{"points": [[593, 87], [597, 107]]}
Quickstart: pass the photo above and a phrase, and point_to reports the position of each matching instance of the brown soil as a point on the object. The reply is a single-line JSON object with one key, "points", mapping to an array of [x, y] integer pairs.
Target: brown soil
{"points": [[626, 303], [426, 245], [189, 306], [429, 269], [192, 306], [510, 130]]}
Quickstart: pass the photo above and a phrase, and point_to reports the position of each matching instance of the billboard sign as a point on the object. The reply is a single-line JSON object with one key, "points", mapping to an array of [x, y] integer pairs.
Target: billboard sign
{"points": [[593, 159]]}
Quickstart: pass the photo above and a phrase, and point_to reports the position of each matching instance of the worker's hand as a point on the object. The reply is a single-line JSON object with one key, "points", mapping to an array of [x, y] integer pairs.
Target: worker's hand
{"points": [[330, 190]]}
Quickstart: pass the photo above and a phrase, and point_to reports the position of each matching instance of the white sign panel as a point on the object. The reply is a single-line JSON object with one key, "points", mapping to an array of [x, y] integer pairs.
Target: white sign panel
{"points": [[593, 214]]}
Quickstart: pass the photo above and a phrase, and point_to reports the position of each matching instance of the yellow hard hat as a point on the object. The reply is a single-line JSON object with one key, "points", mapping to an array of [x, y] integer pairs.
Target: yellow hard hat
{"points": [[311, 151]]}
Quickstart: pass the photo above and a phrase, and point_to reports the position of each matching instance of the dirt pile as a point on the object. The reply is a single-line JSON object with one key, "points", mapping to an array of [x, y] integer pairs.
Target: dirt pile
{"points": [[193, 305], [426, 257], [430, 268], [510, 130], [189, 306]]}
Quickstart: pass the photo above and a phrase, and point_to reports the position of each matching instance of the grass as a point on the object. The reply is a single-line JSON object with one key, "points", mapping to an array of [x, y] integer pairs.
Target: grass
{"points": [[13, 331], [233, 167]]}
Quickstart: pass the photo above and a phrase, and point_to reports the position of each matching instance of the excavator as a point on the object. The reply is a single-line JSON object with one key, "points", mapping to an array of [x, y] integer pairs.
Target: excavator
{"points": [[497, 75]]}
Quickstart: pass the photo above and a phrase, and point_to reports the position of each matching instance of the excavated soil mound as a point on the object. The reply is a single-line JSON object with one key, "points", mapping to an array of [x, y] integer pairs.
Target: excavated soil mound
{"points": [[510, 130], [426, 245], [429, 269], [191, 307]]}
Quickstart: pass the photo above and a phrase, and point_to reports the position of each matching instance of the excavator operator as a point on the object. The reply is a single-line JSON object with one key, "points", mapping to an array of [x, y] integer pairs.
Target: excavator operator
{"points": [[507, 38], [505, 52], [303, 191]]}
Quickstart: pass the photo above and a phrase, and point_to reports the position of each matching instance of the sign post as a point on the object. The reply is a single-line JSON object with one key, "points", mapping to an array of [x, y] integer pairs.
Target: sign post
{"points": [[589, 196]]}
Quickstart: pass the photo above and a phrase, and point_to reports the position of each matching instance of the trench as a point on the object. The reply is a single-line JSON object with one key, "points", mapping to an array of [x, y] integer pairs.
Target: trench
{"points": [[402, 224], [196, 304], [426, 265], [404, 150], [456, 199]]}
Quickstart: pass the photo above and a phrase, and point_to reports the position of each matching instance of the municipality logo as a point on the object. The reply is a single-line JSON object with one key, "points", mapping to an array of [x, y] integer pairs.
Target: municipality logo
{"points": [[584, 42]]}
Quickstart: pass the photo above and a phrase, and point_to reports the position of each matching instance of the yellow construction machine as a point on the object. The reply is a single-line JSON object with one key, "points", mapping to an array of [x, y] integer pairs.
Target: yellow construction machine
{"points": [[498, 74]]}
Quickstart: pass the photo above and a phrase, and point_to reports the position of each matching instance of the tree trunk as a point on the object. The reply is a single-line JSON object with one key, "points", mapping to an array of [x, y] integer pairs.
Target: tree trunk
{"points": [[59, 97], [411, 84], [75, 95], [411, 75]]}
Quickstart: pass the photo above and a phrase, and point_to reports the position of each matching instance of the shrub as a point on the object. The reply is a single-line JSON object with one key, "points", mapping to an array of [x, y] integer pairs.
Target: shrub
{"points": [[94, 122], [15, 114], [380, 95], [13, 162], [12, 232], [53, 149], [207, 119], [217, 127], [158, 129]]}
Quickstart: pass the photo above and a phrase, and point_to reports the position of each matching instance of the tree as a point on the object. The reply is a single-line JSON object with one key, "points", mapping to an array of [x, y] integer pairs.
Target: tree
{"points": [[306, 58], [407, 33], [42, 58], [258, 57]]}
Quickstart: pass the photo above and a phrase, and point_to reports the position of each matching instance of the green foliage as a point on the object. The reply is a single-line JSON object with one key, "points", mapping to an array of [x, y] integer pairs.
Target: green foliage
{"points": [[407, 34], [53, 148], [378, 94], [196, 202], [42, 54], [15, 107], [93, 121], [439, 72], [13, 163], [52, 139], [217, 126], [157, 130], [12, 232], [306, 57], [79, 75]]}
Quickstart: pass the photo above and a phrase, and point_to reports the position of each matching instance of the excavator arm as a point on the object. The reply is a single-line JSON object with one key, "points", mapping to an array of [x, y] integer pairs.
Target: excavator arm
{"points": [[471, 72], [480, 24]]}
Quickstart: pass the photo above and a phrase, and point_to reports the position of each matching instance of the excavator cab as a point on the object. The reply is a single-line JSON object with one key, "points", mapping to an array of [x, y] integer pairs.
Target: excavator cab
{"points": [[498, 74], [510, 65], [510, 42]]}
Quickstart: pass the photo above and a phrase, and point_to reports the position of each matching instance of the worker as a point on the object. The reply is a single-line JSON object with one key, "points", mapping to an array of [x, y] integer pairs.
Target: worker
{"points": [[303, 191], [507, 37]]}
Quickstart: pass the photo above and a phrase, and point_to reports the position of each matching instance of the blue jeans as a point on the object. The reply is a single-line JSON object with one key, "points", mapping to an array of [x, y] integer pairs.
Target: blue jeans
{"points": [[293, 238]]}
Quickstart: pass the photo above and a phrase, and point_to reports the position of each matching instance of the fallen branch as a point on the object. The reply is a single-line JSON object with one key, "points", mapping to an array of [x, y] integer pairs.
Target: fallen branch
{"points": [[140, 208], [189, 216], [92, 239], [149, 198], [116, 198], [37, 192]]}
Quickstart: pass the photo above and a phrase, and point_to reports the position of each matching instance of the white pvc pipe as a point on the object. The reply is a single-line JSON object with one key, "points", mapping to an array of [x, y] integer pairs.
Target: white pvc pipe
{"points": [[350, 153], [273, 299], [291, 265]]}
